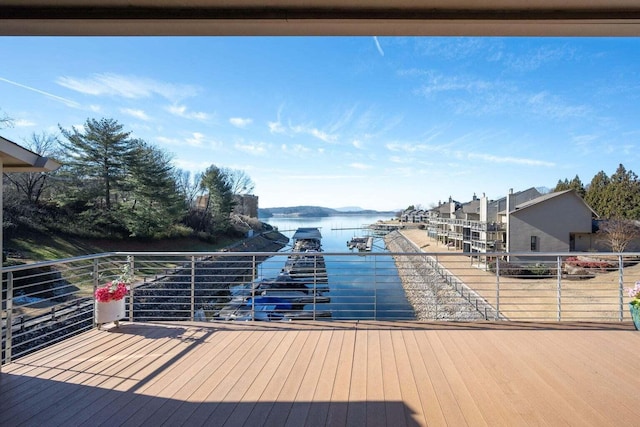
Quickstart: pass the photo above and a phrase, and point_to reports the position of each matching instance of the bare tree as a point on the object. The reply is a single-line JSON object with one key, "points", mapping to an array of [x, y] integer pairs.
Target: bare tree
{"points": [[188, 185], [239, 181], [32, 185], [617, 233], [5, 121]]}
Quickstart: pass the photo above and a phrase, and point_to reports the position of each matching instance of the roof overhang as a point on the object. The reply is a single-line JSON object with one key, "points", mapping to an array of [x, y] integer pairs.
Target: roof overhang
{"points": [[321, 17], [18, 159]]}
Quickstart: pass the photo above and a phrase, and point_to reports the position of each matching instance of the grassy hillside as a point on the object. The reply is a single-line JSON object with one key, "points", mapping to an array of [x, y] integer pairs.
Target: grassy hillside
{"points": [[35, 246]]}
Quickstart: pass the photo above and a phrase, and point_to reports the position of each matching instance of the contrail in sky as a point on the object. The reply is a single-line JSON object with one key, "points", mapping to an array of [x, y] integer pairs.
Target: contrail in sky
{"points": [[375, 39], [68, 102]]}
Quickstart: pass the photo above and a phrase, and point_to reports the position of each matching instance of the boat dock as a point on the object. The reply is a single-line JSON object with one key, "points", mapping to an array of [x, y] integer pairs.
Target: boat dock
{"points": [[302, 281], [361, 243]]}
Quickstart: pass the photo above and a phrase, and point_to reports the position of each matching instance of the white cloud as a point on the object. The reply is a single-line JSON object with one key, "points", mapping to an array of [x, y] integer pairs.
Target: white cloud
{"points": [[256, 148], [399, 159], [276, 127], [181, 111], [240, 122], [537, 58], [138, 114], [190, 165], [130, 87], [550, 106], [23, 123], [462, 154], [317, 133], [507, 159], [295, 149], [357, 144], [168, 141], [196, 139], [360, 166]]}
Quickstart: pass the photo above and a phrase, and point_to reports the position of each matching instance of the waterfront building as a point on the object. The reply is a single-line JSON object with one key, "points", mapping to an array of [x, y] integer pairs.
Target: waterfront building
{"points": [[524, 221]]}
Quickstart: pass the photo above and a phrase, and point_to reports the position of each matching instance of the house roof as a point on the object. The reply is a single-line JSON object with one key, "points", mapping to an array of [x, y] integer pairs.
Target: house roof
{"points": [[471, 207], [520, 197], [307, 233], [18, 159], [550, 196]]}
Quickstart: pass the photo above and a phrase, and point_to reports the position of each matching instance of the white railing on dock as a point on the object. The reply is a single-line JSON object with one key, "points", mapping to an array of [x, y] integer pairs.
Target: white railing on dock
{"points": [[46, 302]]}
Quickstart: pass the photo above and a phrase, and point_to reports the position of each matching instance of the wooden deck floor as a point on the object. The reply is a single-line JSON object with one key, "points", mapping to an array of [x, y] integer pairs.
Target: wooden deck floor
{"points": [[330, 373]]}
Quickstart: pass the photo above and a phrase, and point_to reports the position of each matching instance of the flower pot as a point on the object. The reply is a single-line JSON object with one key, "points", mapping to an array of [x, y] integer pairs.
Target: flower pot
{"points": [[111, 311], [635, 315]]}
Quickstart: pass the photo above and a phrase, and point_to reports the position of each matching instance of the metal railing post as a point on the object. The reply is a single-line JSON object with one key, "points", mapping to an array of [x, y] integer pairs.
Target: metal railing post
{"points": [[621, 286], [559, 292], [497, 288], [96, 278], [375, 288], [9, 326], [132, 265], [253, 292], [193, 288], [315, 284]]}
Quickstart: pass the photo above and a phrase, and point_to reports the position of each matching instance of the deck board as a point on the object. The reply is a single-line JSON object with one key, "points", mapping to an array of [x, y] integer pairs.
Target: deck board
{"points": [[330, 373]]}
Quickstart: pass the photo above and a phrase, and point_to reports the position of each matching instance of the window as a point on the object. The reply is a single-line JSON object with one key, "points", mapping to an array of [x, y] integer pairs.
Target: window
{"points": [[534, 244]]}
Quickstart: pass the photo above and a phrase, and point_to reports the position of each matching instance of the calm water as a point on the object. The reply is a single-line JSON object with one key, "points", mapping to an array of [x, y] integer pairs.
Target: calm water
{"points": [[352, 279]]}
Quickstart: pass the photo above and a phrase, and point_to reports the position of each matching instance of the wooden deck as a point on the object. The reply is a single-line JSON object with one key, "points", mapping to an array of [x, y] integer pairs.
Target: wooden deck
{"points": [[330, 373]]}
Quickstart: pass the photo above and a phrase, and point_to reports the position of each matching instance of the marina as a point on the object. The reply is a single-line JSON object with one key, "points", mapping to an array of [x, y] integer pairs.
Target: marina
{"points": [[300, 283], [353, 284]]}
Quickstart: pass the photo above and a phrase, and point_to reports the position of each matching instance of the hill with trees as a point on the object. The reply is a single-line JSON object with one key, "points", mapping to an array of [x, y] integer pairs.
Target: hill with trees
{"points": [[313, 211], [115, 186]]}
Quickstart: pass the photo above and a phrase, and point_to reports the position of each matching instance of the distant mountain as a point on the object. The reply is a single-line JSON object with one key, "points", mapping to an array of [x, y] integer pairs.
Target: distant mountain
{"points": [[350, 209], [315, 211]]}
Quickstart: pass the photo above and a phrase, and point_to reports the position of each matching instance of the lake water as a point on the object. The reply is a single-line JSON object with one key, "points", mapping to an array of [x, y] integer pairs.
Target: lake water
{"points": [[360, 287]]}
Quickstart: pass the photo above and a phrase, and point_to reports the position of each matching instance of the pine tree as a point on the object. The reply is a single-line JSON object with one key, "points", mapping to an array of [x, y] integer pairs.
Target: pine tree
{"points": [[96, 158], [153, 203], [576, 184], [597, 194], [220, 200]]}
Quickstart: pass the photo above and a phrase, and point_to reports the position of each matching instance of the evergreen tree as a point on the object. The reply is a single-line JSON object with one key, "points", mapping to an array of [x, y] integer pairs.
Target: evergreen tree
{"points": [[96, 159], [624, 194], [152, 204], [219, 199], [597, 195], [576, 184], [561, 185]]}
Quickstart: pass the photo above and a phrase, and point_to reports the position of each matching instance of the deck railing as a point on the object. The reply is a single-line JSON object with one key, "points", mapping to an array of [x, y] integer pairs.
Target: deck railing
{"points": [[46, 302]]}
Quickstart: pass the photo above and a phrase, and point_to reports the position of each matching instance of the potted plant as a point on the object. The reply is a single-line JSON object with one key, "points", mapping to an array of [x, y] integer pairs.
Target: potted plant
{"points": [[634, 304], [110, 301]]}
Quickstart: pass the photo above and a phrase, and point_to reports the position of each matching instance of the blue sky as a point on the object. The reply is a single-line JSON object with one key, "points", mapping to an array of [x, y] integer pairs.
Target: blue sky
{"points": [[375, 122]]}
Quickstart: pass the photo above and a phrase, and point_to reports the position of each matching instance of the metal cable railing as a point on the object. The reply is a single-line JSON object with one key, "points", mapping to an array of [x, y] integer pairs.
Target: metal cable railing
{"points": [[47, 302]]}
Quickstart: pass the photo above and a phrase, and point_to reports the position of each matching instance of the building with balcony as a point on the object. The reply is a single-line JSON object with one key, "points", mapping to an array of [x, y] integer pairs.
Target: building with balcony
{"points": [[524, 221]]}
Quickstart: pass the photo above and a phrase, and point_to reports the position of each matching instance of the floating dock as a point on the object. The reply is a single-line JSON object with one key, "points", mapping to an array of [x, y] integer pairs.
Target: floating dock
{"points": [[363, 244], [302, 282]]}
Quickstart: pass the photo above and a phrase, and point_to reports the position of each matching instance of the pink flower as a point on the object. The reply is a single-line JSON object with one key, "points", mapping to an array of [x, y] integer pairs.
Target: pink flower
{"points": [[634, 292], [113, 291]]}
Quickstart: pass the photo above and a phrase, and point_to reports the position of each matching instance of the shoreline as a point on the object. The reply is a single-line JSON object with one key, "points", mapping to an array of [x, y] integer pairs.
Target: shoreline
{"points": [[429, 293]]}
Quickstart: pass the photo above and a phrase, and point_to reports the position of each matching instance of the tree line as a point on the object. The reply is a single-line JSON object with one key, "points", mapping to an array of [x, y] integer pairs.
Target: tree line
{"points": [[616, 200], [114, 185], [616, 196]]}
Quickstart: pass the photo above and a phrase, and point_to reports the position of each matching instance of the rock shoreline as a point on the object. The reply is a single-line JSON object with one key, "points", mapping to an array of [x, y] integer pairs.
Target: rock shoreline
{"points": [[430, 295]]}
